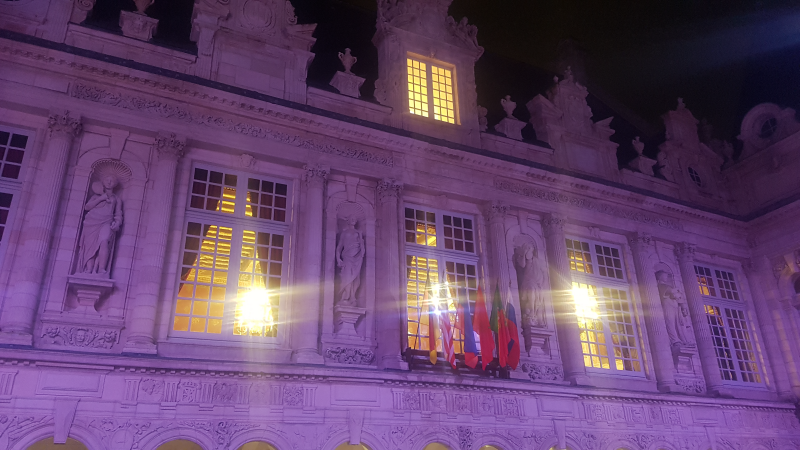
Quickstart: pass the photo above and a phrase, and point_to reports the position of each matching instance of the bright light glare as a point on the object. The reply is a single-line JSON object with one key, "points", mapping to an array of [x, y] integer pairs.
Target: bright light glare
{"points": [[585, 304], [256, 309]]}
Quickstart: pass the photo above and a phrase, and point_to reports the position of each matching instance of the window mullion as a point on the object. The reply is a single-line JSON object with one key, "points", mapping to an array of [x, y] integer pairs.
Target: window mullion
{"points": [[233, 279], [429, 77]]}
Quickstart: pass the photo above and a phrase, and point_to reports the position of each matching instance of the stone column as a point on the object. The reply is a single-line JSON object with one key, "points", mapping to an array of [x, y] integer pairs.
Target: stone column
{"points": [[754, 270], [306, 316], [141, 339], [660, 346], [390, 310], [16, 322], [563, 304], [705, 345]]}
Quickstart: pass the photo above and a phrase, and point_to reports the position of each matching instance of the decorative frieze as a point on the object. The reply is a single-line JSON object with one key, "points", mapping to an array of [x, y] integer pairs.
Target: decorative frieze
{"points": [[528, 190], [691, 385], [347, 355], [539, 372], [457, 403], [79, 336], [166, 110]]}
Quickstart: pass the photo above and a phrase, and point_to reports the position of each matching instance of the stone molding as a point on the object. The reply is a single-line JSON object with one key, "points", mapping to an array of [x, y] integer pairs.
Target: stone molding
{"points": [[348, 355], [174, 111], [60, 122], [527, 190], [169, 146]]}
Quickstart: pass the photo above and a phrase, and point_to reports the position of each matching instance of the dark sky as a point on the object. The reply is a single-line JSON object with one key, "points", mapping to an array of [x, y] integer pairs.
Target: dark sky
{"points": [[721, 56]]}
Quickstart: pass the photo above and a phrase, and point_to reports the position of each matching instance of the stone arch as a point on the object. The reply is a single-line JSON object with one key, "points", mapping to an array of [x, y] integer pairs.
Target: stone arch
{"points": [[440, 438], [269, 436], [89, 158], [624, 444], [153, 441], [661, 445], [76, 432], [494, 440], [552, 441], [372, 442]]}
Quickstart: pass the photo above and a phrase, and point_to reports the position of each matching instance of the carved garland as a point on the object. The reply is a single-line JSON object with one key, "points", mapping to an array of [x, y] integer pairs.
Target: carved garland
{"points": [[592, 205], [344, 355], [171, 111]]}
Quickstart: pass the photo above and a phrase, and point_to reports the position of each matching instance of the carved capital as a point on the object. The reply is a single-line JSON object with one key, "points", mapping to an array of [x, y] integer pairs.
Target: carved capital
{"points": [[495, 211], [640, 241], [389, 190], [169, 146], [553, 223], [60, 123], [685, 251], [316, 175]]}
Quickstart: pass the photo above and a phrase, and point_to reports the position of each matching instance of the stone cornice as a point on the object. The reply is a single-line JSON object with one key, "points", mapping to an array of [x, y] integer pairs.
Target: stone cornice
{"points": [[306, 117]]}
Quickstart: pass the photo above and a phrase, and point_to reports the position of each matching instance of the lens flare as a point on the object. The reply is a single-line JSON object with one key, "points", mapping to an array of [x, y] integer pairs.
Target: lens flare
{"points": [[585, 304], [255, 310]]}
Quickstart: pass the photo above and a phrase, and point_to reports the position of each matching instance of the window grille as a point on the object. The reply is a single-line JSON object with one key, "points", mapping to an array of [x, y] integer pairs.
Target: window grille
{"points": [[431, 90]]}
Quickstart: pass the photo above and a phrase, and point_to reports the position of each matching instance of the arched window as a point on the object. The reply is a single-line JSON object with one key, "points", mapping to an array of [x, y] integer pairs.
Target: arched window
{"points": [[256, 445], [347, 446], [436, 446], [489, 447], [47, 444], [179, 444]]}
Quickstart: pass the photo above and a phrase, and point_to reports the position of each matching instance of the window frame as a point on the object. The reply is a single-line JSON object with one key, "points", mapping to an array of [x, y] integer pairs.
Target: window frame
{"points": [[741, 304], [13, 186], [454, 76], [442, 256], [238, 222], [623, 284]]}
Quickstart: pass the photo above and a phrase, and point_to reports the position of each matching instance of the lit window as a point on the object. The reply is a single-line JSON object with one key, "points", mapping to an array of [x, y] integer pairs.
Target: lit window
{"points": [[440, 273], [232, 263], [603, 307], [431, 90], [729, 327]]}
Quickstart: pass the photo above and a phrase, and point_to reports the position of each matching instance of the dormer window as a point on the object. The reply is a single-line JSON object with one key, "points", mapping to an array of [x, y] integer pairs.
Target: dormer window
{"points": [[431, 89]]}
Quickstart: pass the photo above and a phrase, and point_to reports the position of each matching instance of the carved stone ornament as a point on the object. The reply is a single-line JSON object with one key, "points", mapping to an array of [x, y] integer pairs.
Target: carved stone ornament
{"points": [[247, 161], [316, 175], [640, 240], [553, 223], [389, 189], [538, 372], [483, 122], [685, 251], [79, 336], [61, 123], [348, 60], [178, 112], [291, 18], [496, 211], [691, 385], [169, 146], [137, 25], [346, 355], [349, 253], [527, 190], [80, 10]]}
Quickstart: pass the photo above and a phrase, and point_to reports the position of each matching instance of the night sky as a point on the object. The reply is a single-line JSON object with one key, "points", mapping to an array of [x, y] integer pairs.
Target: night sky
{"points": [[722, 56]]}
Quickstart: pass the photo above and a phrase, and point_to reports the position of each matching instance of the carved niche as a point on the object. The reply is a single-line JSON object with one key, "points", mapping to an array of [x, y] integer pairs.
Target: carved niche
{"points": [[350, 251], [530, 281]]}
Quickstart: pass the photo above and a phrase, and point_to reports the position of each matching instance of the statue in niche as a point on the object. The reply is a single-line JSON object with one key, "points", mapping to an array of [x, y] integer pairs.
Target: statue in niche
{"points": [[676, 312], [101, 223], [350, 251], [530, 278]]}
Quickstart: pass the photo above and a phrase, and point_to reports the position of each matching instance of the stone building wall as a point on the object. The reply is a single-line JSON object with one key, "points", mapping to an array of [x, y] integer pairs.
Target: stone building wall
{"points": [[100, 190]]}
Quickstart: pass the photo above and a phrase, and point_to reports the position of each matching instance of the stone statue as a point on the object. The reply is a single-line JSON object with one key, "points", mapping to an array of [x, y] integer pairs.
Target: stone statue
{"points": [[508, 106], [638, 145], [530, 278], [663, 166], [349, 258], [101, 222], [142, 5], [347, 59], [676, 315]]}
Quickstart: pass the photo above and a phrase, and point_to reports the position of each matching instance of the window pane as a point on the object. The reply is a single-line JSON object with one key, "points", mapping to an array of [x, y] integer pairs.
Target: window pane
{"points": [[5, 206], [421, 273], [421, 227], [259, 284], [213, 191], [266, 200], [580, 259], [458, 234], [443, 100], [417, 88], [704, 281], [201, 292], [12, 152], [719, 336], [742, 345]]}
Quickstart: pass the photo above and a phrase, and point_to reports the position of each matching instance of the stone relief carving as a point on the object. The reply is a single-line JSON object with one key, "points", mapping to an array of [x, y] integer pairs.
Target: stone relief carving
{"points": [[102, 220], [63, 123], [345, 355], [293, 395], [173, 111], [350, 251], [530, 280], [676, 312], [86, 337], [592, 205], [538, 372]]}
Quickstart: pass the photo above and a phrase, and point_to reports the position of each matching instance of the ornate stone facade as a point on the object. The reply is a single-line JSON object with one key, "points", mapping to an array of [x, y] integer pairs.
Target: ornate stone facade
{"points": [[263, 242]]}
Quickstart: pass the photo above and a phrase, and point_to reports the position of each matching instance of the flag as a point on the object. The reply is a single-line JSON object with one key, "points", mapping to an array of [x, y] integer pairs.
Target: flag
{"points": [[513, 334], [446, 332], [464, 323], [480, 323], [499, 325], [432, 325]]}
